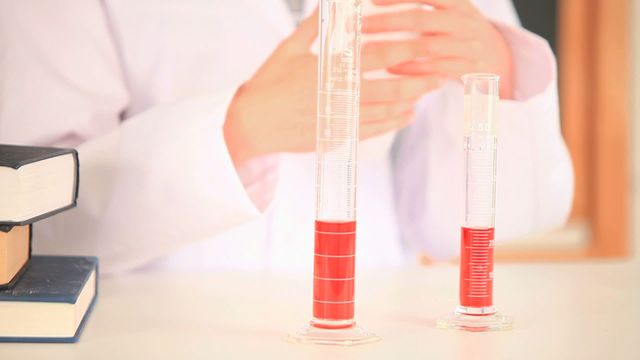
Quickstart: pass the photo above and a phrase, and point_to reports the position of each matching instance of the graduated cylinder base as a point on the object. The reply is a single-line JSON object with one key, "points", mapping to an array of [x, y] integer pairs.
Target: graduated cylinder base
{"points": [[459, 320], [350, 336]]}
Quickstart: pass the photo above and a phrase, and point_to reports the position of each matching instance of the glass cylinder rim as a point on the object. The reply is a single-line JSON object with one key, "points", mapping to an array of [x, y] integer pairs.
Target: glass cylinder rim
{"points": [[480, 76]]}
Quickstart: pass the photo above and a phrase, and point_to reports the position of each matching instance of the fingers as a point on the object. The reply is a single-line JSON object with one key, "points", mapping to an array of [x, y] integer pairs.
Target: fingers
{"points": [[438, 4], [381, 111], [371, 129], [306, 33], [397, 89], [414, 20], [385, 54], [441, 67]]}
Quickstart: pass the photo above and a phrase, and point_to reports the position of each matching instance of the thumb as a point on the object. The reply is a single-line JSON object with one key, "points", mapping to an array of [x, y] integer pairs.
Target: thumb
{"points": [[306, 33]]}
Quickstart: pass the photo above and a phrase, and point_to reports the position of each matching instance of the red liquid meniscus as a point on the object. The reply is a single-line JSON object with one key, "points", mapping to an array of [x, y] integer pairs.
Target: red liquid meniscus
{"points": [[334, 271], [476, 267]]}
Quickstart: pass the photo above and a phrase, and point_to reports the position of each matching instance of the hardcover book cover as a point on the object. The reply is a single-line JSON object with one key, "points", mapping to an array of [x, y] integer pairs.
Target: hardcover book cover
{"points": [[36, 182], [51, 301]]}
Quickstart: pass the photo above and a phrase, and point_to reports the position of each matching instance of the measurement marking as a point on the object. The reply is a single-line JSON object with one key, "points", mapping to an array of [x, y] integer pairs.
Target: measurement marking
{"points": [[344, 162], [344, 117], [334, 256], [334, 302], [333, 279], [337, 91], [334, 233]]}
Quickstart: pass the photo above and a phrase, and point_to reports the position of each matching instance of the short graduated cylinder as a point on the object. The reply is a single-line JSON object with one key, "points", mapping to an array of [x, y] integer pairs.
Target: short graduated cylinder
{"points": [[477, 234], [476, 311]]}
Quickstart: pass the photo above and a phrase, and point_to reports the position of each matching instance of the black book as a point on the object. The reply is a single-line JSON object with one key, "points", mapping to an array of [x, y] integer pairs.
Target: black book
{"points": [[51, 301], [35, 183]]}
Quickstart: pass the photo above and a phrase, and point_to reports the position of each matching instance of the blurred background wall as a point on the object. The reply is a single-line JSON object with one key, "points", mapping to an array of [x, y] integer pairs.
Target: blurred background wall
{"points": [[540, 17], [597, 43]]}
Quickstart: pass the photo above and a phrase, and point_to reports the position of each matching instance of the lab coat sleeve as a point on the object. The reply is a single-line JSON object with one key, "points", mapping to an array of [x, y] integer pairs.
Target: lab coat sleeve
{"points": [[148, 184], [534, 174]]}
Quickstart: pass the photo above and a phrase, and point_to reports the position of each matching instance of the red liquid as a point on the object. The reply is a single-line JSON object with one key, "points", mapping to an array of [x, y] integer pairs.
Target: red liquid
{"points": [[334, 271], [476, 267]]}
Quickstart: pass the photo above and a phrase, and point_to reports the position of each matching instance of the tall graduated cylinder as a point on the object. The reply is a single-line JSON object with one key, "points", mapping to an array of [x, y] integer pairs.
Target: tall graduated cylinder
{"points": [[477, 236], [336, 147]]}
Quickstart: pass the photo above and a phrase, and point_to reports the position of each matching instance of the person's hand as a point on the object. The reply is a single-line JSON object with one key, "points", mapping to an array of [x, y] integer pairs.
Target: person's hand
{"points": [[275, 111], [455, 39]]}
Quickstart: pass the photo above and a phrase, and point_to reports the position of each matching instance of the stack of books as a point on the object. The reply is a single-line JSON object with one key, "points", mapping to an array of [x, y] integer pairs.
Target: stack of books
{"points": [[42, 298]]}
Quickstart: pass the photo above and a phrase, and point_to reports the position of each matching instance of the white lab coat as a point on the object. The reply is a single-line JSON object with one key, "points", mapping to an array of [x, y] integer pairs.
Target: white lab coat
{"points": [[141, 88]]}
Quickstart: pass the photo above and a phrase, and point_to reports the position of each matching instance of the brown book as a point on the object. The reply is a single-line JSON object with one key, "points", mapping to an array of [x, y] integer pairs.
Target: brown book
{"points": [[15, 250]]}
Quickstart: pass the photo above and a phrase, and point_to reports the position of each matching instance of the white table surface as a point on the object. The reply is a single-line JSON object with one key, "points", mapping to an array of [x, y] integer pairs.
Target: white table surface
{"points": [[561, 311]]}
